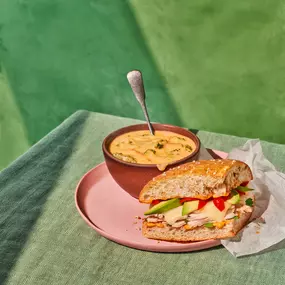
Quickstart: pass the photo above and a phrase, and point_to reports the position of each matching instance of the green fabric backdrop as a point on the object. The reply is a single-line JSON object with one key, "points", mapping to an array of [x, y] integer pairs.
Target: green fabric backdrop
{"points": [[211, 65]]}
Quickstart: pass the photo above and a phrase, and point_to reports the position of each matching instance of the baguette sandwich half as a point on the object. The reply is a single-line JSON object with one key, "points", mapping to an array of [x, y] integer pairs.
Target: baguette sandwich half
{"points": [[201, 200]]}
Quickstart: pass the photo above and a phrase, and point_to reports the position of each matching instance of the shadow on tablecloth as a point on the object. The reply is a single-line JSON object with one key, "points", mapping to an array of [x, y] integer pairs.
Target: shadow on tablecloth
{"points": [[26, 185]]}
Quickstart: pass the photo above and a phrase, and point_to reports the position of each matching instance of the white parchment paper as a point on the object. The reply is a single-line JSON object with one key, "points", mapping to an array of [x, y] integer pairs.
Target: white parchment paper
{"points": [[267, 223]]}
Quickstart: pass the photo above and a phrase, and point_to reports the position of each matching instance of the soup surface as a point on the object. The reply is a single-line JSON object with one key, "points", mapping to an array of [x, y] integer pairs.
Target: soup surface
{"points": [[143, 148]]}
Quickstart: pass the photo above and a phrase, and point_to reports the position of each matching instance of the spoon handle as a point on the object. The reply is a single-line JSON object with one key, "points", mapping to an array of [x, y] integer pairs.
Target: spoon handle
{"points": [[136, 82]]}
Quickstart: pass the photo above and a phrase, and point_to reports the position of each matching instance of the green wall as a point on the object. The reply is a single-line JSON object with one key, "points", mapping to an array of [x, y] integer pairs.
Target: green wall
{"points": [[212, 65], [223, 62]]}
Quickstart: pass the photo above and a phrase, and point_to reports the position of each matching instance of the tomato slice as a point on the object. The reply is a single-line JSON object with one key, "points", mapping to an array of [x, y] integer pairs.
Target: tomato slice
{"points": [[202, 203], [183, 200], [219, 203], [155, 202], [225, 198]]}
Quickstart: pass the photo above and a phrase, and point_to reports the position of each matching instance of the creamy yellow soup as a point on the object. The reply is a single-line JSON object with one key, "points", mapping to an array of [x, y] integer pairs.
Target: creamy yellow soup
{"points": [[143, 148]]}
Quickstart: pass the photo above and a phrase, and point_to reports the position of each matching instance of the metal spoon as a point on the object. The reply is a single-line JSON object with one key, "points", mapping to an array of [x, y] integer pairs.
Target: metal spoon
{"points": [[136, 81]]}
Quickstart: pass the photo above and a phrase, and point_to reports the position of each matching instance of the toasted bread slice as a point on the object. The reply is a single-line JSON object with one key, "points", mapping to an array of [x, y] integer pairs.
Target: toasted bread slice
{"points": [[169, 233], [198, 179]]}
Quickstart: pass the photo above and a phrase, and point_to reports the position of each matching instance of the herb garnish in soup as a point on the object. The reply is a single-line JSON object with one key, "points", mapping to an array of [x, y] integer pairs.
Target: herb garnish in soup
{"points": [[143, 148]]}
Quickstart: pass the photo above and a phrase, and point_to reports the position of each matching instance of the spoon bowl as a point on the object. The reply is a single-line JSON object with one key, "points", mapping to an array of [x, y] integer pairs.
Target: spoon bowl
{"points": [[136, 82]]}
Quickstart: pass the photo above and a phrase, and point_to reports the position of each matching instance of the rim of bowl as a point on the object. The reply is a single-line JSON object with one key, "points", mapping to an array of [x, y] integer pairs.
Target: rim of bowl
{"points": [[127, 129]]}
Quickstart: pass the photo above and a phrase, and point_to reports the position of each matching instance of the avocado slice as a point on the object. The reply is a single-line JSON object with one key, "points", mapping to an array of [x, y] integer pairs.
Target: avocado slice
{"points": [[208, 225], [235, 198], [189, 207], [163, 206]]}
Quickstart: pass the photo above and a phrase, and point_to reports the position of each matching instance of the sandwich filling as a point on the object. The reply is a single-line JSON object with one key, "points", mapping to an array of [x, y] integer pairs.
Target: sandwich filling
{"points": [[190, 213]]}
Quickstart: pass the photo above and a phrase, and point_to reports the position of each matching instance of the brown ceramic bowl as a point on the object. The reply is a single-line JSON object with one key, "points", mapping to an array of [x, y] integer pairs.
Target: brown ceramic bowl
{"points": [[132, 177]]}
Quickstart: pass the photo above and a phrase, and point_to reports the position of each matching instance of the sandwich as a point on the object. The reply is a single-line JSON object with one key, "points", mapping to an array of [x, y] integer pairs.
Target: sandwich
{"points": [[200, 200]]}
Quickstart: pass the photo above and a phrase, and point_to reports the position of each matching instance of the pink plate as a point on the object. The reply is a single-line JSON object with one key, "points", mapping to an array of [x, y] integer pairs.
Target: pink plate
{"points": [[113, 213]]}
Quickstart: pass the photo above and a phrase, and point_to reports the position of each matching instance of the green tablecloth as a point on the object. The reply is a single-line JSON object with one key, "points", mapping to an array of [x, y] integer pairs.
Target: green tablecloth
{"points": [[45, 241]]}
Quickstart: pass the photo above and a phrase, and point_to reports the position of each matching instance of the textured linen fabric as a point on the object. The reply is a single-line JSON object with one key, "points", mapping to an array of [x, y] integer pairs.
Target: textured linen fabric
{"points": [[45, 241]]}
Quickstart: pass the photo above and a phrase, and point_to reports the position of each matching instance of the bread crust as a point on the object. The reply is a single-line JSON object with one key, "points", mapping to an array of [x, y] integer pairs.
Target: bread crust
{"points": [[196, 234], [210, 173]]}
